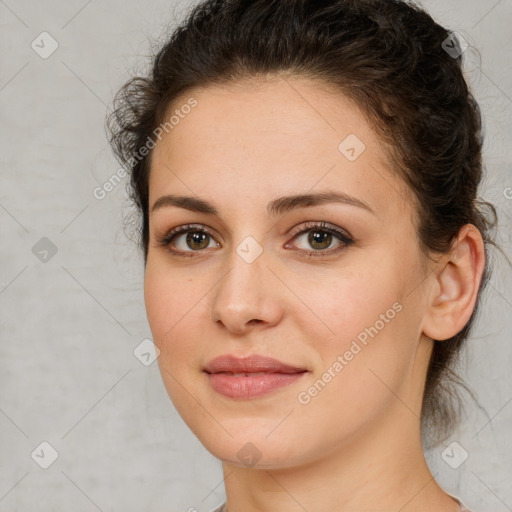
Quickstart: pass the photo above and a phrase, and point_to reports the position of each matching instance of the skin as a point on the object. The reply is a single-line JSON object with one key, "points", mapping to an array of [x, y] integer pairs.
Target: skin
{"points": [[356, 445]]}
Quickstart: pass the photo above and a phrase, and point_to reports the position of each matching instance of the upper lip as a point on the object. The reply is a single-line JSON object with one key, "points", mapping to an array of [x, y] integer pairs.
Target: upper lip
{"points": [[250, 364]]}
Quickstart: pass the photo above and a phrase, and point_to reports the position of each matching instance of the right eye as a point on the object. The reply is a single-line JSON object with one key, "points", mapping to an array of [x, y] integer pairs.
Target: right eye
{"points": [[187, 239]]}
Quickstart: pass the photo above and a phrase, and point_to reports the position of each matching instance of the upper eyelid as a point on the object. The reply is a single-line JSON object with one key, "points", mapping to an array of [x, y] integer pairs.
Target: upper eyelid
{"points": [[303, 226]]}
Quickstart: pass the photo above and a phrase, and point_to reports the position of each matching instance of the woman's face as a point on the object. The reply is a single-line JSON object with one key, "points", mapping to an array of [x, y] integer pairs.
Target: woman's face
{"points": [[271, 277]]}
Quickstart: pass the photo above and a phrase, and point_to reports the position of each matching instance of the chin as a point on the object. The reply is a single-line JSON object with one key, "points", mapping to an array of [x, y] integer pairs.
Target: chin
{"points": [[251, 455], [250, 446]]}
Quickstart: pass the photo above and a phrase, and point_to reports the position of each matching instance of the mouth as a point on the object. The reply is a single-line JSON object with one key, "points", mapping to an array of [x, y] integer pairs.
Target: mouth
{"points": [[250, 377], [251, 374]]}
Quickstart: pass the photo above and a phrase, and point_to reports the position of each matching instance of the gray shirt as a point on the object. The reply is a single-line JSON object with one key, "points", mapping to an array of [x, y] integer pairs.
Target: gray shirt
{"points": [[463, 508]]}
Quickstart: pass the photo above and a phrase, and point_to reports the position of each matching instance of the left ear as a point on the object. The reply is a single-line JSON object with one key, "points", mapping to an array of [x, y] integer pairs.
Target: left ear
{"points": [[455, 287]]}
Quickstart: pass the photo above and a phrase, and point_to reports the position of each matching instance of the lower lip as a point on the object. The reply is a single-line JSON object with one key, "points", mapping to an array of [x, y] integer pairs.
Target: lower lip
{"points": [[251, 386]]}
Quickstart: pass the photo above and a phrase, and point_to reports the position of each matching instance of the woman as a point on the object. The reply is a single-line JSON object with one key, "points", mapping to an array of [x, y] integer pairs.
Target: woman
{"points": [[315, 251]]}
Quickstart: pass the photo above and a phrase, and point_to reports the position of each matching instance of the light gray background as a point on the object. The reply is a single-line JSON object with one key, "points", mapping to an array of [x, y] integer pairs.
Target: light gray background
{"points": [[69, 325]]}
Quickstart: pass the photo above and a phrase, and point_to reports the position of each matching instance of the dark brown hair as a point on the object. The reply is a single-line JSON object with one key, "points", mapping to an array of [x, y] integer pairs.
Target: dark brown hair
{"points": [[388, 56]]}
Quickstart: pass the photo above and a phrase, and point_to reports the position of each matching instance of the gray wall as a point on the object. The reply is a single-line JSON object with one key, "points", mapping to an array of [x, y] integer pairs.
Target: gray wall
{"points": [[70, 321]]}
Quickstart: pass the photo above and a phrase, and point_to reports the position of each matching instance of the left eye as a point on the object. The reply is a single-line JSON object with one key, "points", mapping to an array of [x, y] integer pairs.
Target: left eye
{"points": [[320, 238]]}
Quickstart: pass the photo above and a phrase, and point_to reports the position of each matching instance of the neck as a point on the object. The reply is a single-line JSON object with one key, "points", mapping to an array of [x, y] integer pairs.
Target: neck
{"points": [[383, 469]]}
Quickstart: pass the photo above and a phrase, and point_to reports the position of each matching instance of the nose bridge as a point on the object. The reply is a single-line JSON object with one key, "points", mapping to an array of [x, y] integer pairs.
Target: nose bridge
{"points": [[245, 293], [247, 266]]}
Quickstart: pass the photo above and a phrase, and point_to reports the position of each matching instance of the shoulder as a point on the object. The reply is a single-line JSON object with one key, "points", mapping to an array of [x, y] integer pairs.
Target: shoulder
{"points": [[463, 507]]}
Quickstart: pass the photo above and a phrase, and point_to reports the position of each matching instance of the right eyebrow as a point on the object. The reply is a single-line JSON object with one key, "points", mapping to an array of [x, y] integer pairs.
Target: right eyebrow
{"points": [[193, 204]]}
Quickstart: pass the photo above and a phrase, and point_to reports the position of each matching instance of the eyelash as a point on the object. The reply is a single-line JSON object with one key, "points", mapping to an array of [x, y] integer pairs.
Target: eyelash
{"points": [[169, 237]]}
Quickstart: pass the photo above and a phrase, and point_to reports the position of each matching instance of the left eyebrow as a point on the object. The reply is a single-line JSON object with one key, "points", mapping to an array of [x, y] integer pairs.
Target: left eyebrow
{"points": [[288, 203], [275, 207]]}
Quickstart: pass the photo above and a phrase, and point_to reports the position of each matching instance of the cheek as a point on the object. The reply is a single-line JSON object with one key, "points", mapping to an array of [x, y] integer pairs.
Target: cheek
{"points": [[158, 297], [171, 301], [342, 304], [172, 306], [360, 331]]}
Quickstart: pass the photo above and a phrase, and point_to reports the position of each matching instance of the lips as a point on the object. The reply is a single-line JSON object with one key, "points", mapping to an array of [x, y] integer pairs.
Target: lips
{"points": [[254, 364], [250, 377]]}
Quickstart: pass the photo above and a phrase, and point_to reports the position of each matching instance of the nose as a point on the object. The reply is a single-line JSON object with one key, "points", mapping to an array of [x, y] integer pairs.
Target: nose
{"points": [[248, 296]]}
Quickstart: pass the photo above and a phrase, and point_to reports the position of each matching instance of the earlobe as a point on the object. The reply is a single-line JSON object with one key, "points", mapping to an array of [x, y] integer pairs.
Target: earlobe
{"points": [[455, 285]]}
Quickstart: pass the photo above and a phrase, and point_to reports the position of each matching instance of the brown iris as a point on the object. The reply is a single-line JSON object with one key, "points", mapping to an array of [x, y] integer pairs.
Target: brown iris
{"points": [[196, 237], [320, 237]]}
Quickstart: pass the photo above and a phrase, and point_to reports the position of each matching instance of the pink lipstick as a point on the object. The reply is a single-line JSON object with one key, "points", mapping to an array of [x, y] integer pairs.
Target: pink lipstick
{"points": [[251, 376]]}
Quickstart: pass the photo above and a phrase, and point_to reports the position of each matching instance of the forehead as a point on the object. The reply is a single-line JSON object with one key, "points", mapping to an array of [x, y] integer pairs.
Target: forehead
{"points": [[281, 136]]}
